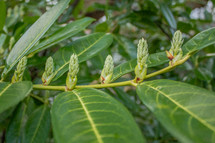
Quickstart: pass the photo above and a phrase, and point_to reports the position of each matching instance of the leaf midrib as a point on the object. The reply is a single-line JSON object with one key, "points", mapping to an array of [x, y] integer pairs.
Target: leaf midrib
{"points": [[5, 89], [99, 138], [33, 41], [40, 120], [181, 106], [28, 47], [77, 55]]}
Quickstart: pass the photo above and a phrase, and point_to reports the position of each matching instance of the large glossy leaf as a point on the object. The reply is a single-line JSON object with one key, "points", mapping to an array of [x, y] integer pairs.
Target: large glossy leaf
{"points": [[85, 47], [153, 60], [12, 94], [38, 126], [185, 110], [92, 116], [15, 128], [33, 34], [2, 14], [200, 41], [62, 34]]}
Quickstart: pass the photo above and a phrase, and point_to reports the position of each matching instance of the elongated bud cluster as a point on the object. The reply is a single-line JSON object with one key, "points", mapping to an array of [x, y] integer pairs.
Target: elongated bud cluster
{"points": [[18, 74], [175, 53], [107, 71], [142, 55], [71, 79], [49, 71]]}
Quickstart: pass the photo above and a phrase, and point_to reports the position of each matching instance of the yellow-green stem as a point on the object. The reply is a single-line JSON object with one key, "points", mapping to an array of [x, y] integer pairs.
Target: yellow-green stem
{"points": [[63, 88], [166, 69], [124, 83], [38, 98]]}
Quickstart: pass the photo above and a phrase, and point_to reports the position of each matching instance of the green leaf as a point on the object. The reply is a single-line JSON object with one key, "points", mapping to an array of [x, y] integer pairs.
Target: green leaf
{"points": [[85, 47], [2, 40], [12, 94], [153, 60], [168, 15], [185, 110], [126, 47], [15, 128], [200, 41], [3, 14], [38, 126], [62, 34], [33, 34], [126, 99], [89, 115], [204, 74]]}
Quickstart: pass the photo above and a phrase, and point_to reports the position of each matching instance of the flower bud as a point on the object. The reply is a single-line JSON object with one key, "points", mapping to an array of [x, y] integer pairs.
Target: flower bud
{"points": [[49, 71], [71, 79], [18, 74], [107, 71], [175, 53], [142, 55]]}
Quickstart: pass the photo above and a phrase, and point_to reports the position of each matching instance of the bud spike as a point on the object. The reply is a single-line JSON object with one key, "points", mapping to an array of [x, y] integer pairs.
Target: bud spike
{"points": [[142, 55], [71, 79], [18, 74], [175, 50], [49, 71], [107, 71]]}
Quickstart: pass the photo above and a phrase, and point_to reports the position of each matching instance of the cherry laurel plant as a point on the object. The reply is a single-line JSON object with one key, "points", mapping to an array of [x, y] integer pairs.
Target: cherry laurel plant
{"points": [[85, 114]]}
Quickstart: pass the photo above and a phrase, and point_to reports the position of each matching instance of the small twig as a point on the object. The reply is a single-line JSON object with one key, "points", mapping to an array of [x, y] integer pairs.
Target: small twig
{"points": [[124, 83], [38, 98]]}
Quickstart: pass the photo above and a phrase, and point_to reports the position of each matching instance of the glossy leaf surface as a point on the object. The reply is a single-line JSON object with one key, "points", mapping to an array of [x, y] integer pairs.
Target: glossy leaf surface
{"points": [[85, 48], [185, 110], [89, 116], [153, 60], [15, 129], [12, 94], [38, 126], [62, 34], [200, 41], [33, 34]]}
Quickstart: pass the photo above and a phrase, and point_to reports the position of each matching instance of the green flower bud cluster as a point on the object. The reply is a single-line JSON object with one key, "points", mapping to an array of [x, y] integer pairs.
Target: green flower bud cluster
{"points": [[107, 71], [49, 71], [18, 74], [142, 55], [71, 79], [175, 53]]}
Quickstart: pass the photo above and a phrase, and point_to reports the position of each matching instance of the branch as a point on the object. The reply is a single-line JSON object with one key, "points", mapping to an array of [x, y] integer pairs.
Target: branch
{"points": [[124, 83]]}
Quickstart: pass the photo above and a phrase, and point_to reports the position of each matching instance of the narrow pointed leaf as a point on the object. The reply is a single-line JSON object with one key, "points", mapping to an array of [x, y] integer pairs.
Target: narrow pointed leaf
{"points": [[15, 129], [90, 115], [38, 126], [185, 110], [85, 47], [12, 94], [200, 41], [153, 60], [33, 34], [62, 34], [168, 16]]}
